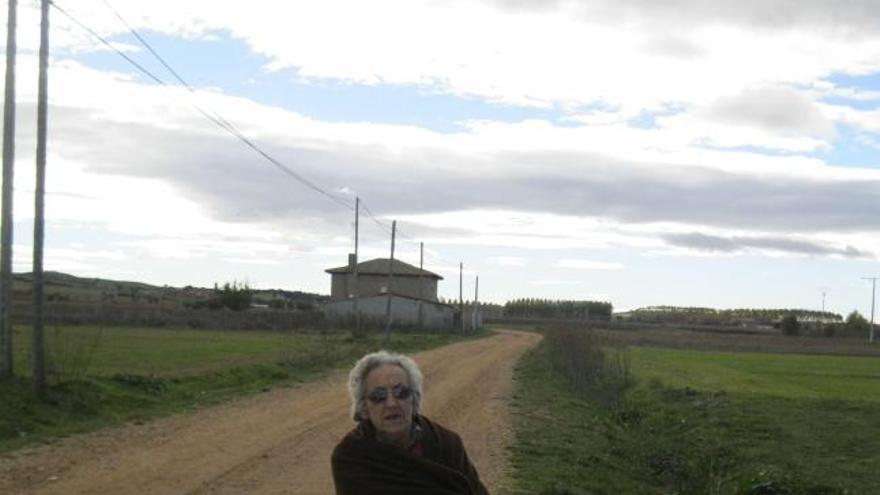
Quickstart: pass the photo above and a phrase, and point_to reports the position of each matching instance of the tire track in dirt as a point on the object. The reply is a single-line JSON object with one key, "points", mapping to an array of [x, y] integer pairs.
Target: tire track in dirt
{"points": [[278, 442]]}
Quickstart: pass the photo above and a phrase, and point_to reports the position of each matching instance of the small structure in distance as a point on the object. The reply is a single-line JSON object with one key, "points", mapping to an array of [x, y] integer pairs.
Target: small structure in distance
{"points": [[413, 293]]}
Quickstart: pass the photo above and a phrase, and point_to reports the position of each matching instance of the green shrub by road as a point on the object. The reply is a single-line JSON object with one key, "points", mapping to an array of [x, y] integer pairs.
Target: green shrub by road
{"points": [[698, 423]]}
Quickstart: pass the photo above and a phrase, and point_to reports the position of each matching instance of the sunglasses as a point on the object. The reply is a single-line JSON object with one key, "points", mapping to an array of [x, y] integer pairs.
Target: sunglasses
{"points": [[380, 394]]}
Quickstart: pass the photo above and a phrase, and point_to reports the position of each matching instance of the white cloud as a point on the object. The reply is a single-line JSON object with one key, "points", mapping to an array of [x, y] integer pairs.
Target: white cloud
{"points": [[507, 261], [587, 265], [763, 245], [531, 184], [574, 54], [70, 259], [868, 120], [656, 121], [531, 161], [139, 161], [555, 282], [777, 110]]}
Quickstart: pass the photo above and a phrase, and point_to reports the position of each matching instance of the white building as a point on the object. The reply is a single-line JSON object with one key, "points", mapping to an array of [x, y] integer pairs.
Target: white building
{"points": [[412, 292]]}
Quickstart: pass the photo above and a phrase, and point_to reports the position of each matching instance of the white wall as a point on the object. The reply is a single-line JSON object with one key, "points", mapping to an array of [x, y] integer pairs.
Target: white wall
{"points": [[404, 311]]}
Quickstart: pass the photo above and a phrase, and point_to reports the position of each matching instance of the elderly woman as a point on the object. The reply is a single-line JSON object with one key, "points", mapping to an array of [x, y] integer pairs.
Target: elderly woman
{"points": [[394, 450]]}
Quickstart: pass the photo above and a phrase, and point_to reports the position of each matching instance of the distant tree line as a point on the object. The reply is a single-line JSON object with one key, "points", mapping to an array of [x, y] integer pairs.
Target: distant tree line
{"points": [[711, 316], [235, 296], [563, 309], [855, 325]]}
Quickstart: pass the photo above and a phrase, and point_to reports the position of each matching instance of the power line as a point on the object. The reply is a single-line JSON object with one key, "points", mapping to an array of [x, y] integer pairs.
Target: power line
{"points": [[108, 44], [147, 45], [216, 118], [400, 233], [219, 120], [374, 218]]}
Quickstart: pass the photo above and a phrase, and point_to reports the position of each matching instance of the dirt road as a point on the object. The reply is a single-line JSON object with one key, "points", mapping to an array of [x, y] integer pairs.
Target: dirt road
{"points": [[276, 442]]}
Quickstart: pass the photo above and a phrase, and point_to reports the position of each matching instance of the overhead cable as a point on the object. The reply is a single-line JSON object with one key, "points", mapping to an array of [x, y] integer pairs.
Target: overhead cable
{"points": [[218, 119], [212, 116]]}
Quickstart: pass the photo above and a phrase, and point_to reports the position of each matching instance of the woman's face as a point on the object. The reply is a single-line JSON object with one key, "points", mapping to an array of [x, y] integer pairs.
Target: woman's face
{"points": [[392, 417]]}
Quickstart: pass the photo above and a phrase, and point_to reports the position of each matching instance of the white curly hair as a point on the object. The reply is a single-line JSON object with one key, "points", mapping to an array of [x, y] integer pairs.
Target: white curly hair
{"points": [[357, 380]]}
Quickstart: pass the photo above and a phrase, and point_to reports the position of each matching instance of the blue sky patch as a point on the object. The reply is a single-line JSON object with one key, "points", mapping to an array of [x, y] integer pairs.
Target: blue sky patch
{"points": [[760, 150], [647, 119], [869, 82], [850, 149], [644, 120], [229, 64]]}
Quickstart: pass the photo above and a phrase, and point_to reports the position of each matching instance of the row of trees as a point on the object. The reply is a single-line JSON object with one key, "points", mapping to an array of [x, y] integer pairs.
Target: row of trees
{"points": [[563, 309], [235, 296], [854, 325], [711, 316]]}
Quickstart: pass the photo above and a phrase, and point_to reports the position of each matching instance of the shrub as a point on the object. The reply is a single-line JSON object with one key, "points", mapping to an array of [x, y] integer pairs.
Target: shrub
{"points": [[594, 372], [790, 325], [234, 296], [773, 484], [829, 330], [857, 324], [69, 355]]}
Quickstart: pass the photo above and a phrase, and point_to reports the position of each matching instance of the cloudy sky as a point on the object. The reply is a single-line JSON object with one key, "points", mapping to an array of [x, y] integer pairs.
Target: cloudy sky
{"points": [[690, 152]]}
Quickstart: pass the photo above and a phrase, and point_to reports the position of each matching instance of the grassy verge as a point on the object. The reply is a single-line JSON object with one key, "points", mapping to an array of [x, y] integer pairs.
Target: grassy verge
{"points": [[101, 377], [686, 422]]}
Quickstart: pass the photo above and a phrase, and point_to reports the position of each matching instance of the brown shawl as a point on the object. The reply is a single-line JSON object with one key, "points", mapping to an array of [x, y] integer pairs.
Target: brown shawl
{"points": [[364, 466]]}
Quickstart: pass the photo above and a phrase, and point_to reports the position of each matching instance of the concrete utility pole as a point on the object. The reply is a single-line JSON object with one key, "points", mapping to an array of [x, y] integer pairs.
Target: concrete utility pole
{"points": [[39, 371], [357, 314], [390, 280], [421, 270], [873, 291], [461, 293], [6, 370], [476, 301]]}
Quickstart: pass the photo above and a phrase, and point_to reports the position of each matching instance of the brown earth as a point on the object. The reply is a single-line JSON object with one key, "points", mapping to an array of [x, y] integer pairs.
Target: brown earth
{"points": [[279, 441]]}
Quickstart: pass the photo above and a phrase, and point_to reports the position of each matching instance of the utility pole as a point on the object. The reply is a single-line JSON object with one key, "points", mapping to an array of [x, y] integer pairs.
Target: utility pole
{"points": [[873, 290], [39, 371], [421, 270], [476, 301], [355, 291], [390, 280], [6, 370], [461, 293]]}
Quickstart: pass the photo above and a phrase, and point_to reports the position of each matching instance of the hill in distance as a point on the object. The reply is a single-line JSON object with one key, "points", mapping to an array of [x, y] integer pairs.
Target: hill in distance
{"points": [[70, 288]]}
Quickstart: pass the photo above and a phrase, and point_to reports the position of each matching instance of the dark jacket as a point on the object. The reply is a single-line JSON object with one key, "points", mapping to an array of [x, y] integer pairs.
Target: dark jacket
{"points": [[364, 466]]}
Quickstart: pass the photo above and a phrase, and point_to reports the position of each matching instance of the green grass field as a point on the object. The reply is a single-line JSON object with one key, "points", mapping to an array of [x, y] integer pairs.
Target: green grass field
{"points": [[98, 351], [104, 376], [698, 422], [773, 375]]}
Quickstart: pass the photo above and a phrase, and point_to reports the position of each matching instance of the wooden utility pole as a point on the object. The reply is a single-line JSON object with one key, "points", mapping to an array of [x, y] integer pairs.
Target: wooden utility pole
{"points": [[6, 370], [461, 293], [39, 371], [355, 292], [390, 280]]}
